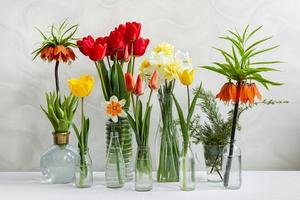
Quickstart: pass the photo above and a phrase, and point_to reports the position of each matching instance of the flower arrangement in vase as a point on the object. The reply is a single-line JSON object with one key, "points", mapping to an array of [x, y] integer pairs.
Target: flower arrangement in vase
{"points": [[121, 47], [242, 71], [140, 123], [58, 163], [82, 88]]}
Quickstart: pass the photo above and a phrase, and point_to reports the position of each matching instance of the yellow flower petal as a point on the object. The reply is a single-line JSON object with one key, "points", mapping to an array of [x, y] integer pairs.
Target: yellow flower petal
{"points": [[81, 87]]}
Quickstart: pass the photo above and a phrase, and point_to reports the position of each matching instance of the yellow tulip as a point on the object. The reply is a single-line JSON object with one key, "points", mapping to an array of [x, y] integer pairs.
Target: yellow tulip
{"points": [[81, 87], [187, 76]]}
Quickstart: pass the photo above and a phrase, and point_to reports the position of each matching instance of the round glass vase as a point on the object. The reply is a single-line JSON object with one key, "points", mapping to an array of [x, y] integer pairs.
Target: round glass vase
{"points": [[125, 138], [84, 170], [232, 167], [115, 165], [213, 156], [187, 179], [167, 141], [58, 164], [143, 169]]}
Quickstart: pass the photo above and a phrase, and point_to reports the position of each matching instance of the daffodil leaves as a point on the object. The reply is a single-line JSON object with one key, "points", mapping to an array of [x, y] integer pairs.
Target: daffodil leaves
{"points": [[237, 65]]}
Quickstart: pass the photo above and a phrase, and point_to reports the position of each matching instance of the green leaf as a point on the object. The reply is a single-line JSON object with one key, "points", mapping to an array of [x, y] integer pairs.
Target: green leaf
{"points": [[252, 33], [257, 43], [193, 104], [262, 51]]}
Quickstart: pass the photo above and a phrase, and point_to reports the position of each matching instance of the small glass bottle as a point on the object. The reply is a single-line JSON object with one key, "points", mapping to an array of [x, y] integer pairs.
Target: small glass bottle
{"points": [[232, 166], [58, 163], [213, 155], [187, 178], [143, 169], [115, 166], [84, 170]]}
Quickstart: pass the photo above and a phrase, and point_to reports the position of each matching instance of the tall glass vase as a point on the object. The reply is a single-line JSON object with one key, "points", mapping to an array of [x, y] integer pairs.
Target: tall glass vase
{"points": [[84, 170], [168, 170], [58, 164], [143, 169], [115, 166], [125, 138], [187, 170]]}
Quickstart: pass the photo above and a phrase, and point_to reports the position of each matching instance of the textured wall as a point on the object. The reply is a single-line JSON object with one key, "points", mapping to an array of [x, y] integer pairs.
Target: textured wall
{"points": [[270, 136]]}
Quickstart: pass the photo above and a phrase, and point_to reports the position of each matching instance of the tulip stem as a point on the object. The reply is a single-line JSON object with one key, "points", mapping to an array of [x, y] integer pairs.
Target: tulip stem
{"points": [[189, 98], [108, 61]]}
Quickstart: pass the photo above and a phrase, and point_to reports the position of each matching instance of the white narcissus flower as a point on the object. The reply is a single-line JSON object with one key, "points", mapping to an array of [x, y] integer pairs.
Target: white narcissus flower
{"points": [[114, 108], [184, 59]]}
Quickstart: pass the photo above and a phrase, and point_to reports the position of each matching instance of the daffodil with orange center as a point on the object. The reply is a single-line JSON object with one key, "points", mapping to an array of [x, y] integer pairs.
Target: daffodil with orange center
{"points": [[114, 108]]}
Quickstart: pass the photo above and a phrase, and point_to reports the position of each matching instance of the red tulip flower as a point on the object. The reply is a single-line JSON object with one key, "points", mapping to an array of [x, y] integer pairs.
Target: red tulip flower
{"points": [[138, 89], [86, 44], [153, 83], [116, 40], [129, 83], [140, 46], [132, 31]]}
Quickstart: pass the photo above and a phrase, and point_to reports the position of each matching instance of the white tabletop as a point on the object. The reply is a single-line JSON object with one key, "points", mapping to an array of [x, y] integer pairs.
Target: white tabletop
{"points": [[273, 185]]}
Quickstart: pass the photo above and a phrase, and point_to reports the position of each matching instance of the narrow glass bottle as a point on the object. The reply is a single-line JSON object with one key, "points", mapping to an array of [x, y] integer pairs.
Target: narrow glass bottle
{"points": [[187, 178], [115, 166], [84, 170], [232, 166], [143, 169], [58, 163]]}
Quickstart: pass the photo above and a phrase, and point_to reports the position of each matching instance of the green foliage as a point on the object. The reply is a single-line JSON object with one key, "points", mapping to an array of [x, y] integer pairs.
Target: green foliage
{"points": [[216, 130], [185, 123], [60, 114], [239, 64], [58, 35]]}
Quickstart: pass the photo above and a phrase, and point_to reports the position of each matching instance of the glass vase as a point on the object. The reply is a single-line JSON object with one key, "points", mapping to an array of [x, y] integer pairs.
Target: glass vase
{"points": [[125, 138], [115, 166], [167, 139], [58, 164], [213, 156], [143, 169], [187, 179], [232, 166], [84, 170]]}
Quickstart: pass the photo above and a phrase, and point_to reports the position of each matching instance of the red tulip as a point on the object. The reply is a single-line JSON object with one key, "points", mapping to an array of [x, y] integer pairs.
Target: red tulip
{"points": [[86, 44], [138, 89], [129, 83], [132, 31], [116, 40], [153, 83], [140, 46], [97, 52]]}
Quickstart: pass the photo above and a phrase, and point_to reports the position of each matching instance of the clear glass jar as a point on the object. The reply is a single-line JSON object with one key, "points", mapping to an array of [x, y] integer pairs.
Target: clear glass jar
{"points": [[143, 169], [232, 166], [58, 163], [84, 170], [125, 138], [167, 140], [213, 156], [187, 179], [115, 166]]}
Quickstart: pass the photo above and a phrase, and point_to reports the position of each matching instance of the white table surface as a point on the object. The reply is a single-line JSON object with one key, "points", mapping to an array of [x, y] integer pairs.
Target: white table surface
{"points": [[273, 185]]}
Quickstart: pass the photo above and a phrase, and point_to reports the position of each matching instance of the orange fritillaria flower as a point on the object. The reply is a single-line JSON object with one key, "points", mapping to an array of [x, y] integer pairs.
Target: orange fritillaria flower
{"points": [[228, 92], [58, 53]]}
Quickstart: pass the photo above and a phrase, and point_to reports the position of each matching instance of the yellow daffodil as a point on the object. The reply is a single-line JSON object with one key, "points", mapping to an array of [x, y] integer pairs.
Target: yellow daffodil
{"points": [[114, 108], [187, 76], [81, 87], [164, 47], [145, 65], [170, 71]]}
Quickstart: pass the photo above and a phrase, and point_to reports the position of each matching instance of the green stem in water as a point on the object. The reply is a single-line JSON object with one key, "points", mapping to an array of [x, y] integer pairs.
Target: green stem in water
{"points": [[184, 173]]}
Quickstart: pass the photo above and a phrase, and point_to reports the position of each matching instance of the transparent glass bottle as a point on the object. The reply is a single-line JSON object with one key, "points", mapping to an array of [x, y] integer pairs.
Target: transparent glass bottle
{"points": [[143, 169], [232, 166], [187, 179], [58, 163], [213, 156], [84, 170], [115, 166]]}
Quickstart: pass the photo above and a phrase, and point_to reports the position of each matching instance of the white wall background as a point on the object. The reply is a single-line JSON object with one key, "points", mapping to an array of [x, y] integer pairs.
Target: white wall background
{"points": [[271, 134]]}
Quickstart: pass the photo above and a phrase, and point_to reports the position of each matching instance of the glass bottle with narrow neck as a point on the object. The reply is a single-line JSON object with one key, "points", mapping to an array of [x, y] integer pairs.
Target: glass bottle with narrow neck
{"points": [[115, 166], [58, 163], [84, 169]]}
